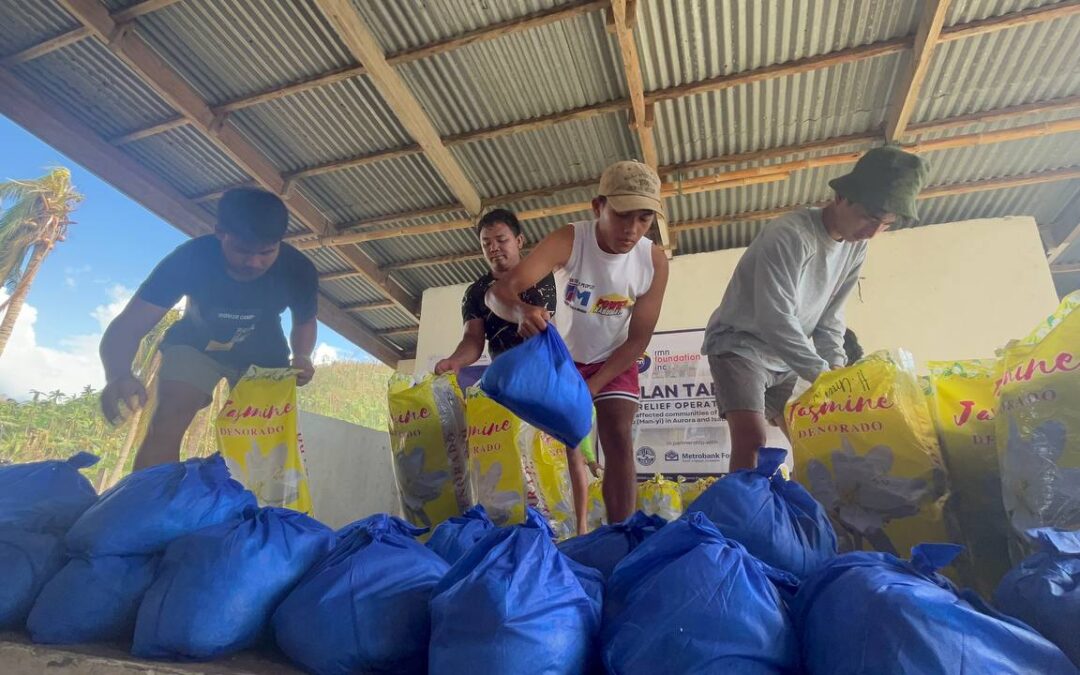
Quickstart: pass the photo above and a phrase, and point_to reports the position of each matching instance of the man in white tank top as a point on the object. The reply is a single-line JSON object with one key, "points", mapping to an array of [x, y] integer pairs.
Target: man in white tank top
{"points": [[614, 283]]}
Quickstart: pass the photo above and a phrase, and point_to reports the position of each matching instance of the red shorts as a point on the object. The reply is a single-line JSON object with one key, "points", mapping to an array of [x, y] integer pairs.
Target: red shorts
{"points": [[624, 385]]}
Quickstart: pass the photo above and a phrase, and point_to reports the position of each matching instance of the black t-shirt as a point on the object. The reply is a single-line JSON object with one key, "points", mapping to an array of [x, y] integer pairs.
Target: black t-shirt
{"points": [[235, 322], [502, 335]]}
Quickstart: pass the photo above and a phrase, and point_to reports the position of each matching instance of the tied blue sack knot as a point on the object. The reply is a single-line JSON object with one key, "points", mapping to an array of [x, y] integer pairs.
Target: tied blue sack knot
{"points": [[1043, 591], [603, 548], [1056, 540], [775, 519], [536, 520], [538, 382], [380, 525], [457, 534], [929, 558], [47, 496]]}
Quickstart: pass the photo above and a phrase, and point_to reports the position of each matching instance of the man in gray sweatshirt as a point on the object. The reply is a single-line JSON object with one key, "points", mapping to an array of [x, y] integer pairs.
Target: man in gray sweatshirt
{"points": [[782, 316]]}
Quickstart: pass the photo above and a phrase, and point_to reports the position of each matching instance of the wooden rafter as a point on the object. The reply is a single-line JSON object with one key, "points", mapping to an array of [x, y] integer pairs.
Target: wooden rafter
{"points": [[72, 137], [156, 73], [624, 17], [402, 330], [933, 192], [82, 32], [841, 154], [961, 31], [1065, 269], [361, 42], [906, 90], [1037, 178]]}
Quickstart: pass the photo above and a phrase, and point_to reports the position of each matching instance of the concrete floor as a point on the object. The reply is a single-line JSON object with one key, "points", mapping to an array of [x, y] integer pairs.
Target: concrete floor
{"points": [[19, 656]]}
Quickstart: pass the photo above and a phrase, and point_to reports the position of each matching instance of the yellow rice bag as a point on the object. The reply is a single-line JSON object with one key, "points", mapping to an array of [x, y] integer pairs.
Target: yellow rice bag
{"points": [[1038, 423], [547, 477], [428, 438], [258, 439], [865, 447], [661, 497], [497, 441], [962, 400], [597, 512], [689, 490]]}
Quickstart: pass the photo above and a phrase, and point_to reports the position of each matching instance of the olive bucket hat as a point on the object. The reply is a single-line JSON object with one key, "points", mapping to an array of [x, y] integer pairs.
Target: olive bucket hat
{"points": [[885, 179]]}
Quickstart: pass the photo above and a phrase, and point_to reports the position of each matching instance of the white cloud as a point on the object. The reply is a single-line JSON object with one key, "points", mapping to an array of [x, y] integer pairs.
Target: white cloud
{"points": [[26, 365], [325, 353]]}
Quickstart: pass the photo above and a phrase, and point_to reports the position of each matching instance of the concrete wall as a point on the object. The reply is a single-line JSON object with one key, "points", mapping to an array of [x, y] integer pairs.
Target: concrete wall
{"points": [[957, 290], [350, 470]]}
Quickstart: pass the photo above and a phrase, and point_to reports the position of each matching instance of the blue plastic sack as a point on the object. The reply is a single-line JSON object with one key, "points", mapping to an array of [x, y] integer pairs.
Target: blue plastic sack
{"points": [[690, 601], [1043, 591], [46, 496], [538, 382], [149, 508], [92, 600], [364, 608], [217, 588], [28, 560], [515, 604], [775, 519], [453, 537], [604, 547], [872, 612]]}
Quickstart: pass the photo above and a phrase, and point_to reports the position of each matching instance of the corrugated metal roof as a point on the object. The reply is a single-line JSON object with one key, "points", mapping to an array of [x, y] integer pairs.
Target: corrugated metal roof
{"points": [[88, 81], [682, 42], [187, 160], [497, 82], [1030, 63], [234, 48], [400, 27], [335, 122], [392, 186], [965, 11], [811, 106], [27, 22], [556, 155], [230, 48]]}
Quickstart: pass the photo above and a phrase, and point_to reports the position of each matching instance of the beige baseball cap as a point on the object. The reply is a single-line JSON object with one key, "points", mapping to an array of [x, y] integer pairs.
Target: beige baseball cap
{"points": [[632, 186]]}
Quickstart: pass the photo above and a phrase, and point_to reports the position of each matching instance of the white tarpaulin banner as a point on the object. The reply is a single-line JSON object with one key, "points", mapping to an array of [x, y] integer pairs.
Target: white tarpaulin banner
{"points": [[677, 429]]}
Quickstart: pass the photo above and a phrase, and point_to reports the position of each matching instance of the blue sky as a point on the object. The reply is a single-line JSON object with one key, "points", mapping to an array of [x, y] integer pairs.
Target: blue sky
{"points": [[87, 278]]}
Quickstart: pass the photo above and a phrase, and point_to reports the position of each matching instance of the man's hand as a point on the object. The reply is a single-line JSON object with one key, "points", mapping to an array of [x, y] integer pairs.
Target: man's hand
{"points": [[126, 389], [532, 320], [306, 368], [447, 365]]}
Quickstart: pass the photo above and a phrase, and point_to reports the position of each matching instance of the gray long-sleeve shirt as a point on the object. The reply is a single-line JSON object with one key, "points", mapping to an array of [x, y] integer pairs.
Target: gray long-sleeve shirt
{"points": [[784, 307]]}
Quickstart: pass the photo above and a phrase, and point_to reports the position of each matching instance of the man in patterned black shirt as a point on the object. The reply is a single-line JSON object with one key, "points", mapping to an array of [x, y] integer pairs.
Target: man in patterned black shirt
{"points": [[501, 241]]}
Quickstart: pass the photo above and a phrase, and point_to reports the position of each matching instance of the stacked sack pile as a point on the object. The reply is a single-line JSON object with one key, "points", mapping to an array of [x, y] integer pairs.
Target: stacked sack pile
{"points": [[750, 576]]}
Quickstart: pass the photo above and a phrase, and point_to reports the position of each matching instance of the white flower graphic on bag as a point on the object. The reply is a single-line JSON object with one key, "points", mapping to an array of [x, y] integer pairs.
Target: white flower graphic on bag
{"points": [[863, 497], [417, 486], [1037, 492], [266, 475], [498, 504]]}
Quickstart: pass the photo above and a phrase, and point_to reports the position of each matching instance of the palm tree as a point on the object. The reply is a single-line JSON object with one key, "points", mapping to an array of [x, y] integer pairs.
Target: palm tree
{"points": [[34, 217]]}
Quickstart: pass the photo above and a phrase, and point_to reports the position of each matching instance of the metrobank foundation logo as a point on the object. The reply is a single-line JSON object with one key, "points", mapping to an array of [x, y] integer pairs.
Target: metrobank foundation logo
{"points": [[646, 456]]}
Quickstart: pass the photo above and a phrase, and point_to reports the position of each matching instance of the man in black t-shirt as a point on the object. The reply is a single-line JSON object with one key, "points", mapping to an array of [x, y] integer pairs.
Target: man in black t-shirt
{"points": [[237, 282], [501, 241]]}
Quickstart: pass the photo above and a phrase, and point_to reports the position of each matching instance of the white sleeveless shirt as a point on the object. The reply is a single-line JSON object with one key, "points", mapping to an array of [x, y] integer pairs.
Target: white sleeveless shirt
{"points": [[599, 290]]}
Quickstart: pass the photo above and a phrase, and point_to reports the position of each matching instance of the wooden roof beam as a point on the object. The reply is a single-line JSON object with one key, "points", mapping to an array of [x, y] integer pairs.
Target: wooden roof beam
{"points": [[1026, 17], [1065, 268], [402, 330], [905, 92], [728, 179], [361, 42], [367, 306], [161, 77], [624, 16], [82, 32], [73, 138], [1021, 180]]}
